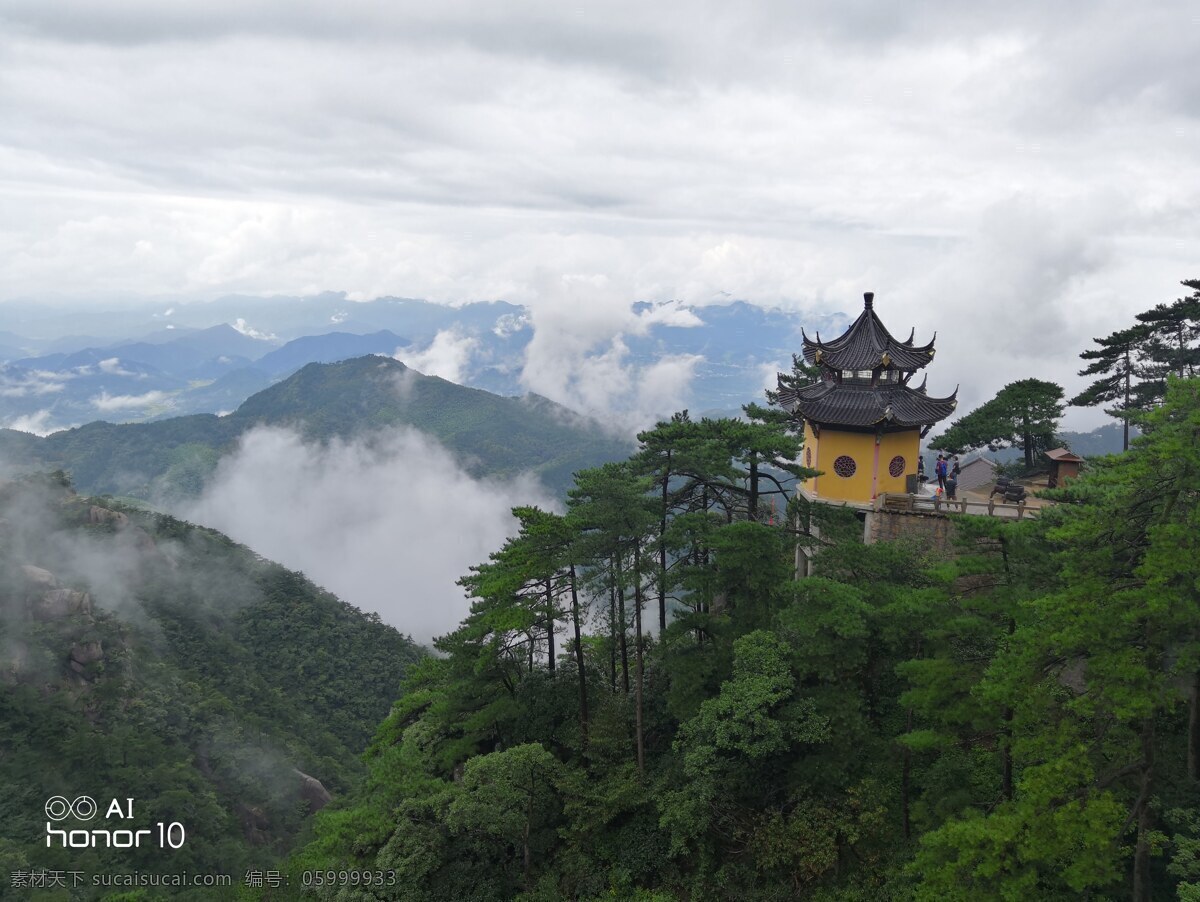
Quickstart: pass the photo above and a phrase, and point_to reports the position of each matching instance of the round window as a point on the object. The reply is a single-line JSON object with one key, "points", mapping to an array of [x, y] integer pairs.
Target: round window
{"points": [[896, 467], [845, 466]]}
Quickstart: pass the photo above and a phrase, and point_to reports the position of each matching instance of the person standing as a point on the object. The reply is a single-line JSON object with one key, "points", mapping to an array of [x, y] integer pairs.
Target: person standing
{"points": [[940, 471], [921, 480], [955, 469]]}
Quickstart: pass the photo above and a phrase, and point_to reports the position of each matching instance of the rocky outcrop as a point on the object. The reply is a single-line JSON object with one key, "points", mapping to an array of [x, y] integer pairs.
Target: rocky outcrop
{"points": [[55, 604], [255, 824], [84, 653], [100, 515], [313, 792], [46, 599], [83, 656], [1074, 675], [37, 579], [59, 603]]}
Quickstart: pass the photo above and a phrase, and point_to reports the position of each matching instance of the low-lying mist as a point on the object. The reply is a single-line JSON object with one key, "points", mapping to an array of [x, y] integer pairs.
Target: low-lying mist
{"points": [[388, 523]]}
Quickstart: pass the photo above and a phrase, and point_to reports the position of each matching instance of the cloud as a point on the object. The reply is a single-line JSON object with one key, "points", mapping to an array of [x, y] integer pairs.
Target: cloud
{"points": [[106, 403], [786, 154], [1033, 276], [447, 355], [242, 326], [112, 366], [510, 324], [389, 523], [18, 383], [664, 383], [579, 354], [37, 423]]}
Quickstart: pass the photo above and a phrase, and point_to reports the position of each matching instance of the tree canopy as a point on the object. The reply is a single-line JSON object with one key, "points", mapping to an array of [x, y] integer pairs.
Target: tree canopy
{"points": [[1023, 415], [1133, 363]]}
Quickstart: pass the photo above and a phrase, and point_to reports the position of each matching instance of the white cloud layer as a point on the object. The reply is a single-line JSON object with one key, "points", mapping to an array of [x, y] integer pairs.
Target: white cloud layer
{"points": [[1019, 177], [16, 383], [112, 366], [37, 423], [388, 524], [448, 356], [578, 355], [106, 403]]}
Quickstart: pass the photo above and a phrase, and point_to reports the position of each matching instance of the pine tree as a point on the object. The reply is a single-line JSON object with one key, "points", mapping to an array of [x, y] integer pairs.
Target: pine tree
{"points": [[1117, 362], [1023, 415], [1173, 334]]}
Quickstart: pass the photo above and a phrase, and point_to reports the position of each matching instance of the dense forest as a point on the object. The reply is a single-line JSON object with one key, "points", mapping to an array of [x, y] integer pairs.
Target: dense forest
{"points": [[144, 658], [646, 703]]}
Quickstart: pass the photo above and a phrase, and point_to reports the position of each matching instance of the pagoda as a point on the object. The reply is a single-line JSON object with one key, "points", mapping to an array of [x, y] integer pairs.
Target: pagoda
{"points": [[863, 422]]}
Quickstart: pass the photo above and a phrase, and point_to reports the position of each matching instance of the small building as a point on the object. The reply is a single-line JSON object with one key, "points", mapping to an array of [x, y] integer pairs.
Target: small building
{"points": [[863, 422], [977, 473], [1064, 466]]}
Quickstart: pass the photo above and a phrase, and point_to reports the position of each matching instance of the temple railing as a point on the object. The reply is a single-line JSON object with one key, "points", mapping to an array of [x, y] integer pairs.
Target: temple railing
{"points": [[926, 504]]}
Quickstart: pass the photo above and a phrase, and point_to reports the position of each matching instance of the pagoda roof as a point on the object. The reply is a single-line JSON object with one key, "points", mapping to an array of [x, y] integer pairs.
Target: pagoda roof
{"points": [[848, 404], [867, 345]]}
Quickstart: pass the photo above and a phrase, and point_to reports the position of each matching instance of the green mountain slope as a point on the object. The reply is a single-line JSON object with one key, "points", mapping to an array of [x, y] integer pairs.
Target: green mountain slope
{"points": [[488, 434], [144, 658]]}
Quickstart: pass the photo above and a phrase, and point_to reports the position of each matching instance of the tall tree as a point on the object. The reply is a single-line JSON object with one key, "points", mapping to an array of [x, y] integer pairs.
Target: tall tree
{"points": [[1174, 333], [612, 509], [1023, 415], [517, 589], [508, 795], [1116, 361], [767, 445], [550, 541], [682, 458]]}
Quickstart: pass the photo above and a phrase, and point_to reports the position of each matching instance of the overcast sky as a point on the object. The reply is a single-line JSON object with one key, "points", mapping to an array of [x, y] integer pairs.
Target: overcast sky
{"points": [[1018, 176]]}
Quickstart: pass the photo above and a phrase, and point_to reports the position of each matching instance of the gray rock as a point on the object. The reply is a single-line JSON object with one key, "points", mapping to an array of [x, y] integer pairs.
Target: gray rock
{"points": [[87, 652], [56, 604], [312, 791]]}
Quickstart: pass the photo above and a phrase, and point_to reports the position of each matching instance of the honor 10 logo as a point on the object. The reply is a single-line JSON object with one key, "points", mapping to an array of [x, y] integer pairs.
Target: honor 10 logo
{"points": [[68, 826]]}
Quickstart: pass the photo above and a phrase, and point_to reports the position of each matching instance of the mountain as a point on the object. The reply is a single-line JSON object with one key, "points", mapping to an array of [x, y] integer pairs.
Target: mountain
{"points": [[1102, 440], [143, 658], [189, 353], [87, 385], [328, 348], [181, 356], [732, 350], [490, 435], [223, 394]]}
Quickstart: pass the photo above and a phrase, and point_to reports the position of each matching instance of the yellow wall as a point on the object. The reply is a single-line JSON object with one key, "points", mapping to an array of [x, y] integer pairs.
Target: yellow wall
{"points": [[904, 444], [865, 483]]}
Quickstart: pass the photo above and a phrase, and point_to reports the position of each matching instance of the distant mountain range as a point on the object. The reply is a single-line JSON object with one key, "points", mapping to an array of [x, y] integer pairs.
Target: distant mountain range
{"points": [[162, 366], [489, 434], [78, 371], [1100, 441]]}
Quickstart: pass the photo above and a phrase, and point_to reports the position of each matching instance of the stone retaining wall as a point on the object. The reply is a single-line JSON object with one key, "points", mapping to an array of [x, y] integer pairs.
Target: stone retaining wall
{"points": [[934, 530]]}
